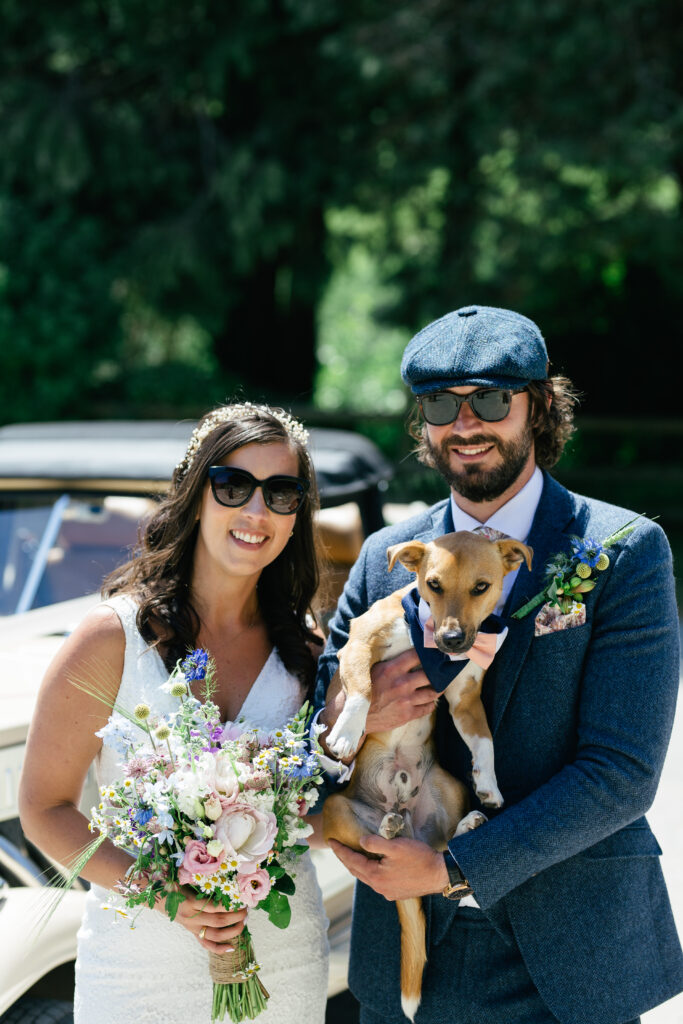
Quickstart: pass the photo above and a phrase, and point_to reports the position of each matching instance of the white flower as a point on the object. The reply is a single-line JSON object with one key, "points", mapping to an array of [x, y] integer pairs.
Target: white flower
{"points": [[292, 830], [213, 808], [247, 832], [304, 830], [225, 780]]}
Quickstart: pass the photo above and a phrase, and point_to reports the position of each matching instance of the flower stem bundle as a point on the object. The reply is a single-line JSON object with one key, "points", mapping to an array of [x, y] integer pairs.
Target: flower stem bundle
{"points": [[237, 987]]}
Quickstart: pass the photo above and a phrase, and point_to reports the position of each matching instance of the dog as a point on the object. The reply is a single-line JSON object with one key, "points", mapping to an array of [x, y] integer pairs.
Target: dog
{"points": [[397, 786]]}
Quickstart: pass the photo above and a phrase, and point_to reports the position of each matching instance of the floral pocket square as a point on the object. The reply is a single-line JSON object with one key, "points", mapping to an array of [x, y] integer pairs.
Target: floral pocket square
{"points": [[551, 618]]}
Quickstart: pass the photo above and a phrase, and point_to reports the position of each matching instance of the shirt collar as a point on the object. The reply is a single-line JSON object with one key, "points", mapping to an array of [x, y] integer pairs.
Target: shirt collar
{"points": [[514, 517]]}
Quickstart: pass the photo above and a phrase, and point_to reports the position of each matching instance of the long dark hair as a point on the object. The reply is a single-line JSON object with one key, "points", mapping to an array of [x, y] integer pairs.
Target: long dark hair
{"points": [[552, 425], [159, 574]]}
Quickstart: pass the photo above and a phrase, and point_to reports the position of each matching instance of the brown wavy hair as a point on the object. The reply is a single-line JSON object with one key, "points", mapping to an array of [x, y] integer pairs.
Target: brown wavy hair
{"points": [[159, 573], [552, 424]]}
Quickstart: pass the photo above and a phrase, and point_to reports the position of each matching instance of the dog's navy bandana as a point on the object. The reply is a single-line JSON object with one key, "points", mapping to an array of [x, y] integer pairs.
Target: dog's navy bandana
{"points": [[441, 669]]}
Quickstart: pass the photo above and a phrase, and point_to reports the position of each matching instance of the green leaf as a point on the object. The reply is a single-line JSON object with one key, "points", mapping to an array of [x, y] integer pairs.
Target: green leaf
{"points": [[285, 884], [298, 849], [173, 901], [276, 905]]}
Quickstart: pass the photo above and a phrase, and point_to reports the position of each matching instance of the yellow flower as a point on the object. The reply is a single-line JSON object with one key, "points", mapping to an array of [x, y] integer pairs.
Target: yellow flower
{"points": [[602, 562], [142, 711], [583, 570], [178, 688], [162, 732]]}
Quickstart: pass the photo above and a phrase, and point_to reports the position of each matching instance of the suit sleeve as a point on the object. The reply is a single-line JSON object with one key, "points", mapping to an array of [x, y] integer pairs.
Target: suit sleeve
{"points": [[627, 700]]}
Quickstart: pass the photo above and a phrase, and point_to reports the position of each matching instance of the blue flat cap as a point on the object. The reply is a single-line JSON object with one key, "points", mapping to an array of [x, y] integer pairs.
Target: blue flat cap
{"points": [[478, 345]]}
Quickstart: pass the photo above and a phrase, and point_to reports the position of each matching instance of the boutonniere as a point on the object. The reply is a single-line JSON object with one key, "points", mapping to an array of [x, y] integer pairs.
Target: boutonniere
{"points": [[569, 577]]}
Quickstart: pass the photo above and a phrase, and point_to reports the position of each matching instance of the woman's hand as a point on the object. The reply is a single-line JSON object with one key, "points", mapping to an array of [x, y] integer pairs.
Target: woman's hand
{"points": [[213, 926]]}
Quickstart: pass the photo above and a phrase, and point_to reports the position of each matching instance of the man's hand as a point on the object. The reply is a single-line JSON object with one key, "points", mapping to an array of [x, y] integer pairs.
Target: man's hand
{"points": [[407, 868], [400, 693]]}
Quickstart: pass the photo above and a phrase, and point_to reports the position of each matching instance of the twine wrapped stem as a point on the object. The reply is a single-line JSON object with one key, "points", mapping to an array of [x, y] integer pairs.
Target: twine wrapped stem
{"points": [[237, 988]]}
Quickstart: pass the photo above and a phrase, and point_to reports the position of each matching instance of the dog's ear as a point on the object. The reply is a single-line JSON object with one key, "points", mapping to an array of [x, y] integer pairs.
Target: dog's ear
{"points": [[410, 553], [514, 553]]}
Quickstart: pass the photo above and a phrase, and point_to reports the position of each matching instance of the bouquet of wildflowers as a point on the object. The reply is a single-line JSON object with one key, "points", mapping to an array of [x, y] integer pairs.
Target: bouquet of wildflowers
{"points": [[214, 807]]}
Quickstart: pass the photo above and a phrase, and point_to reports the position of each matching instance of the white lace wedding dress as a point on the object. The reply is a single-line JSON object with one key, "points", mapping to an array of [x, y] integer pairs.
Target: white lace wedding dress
{"points": [[158, 973]]}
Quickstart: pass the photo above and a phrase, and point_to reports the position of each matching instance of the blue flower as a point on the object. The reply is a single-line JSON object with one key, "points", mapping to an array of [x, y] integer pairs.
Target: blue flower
{"points": [[167, 835], [143, 814], [165, 819], [178, 857], [305, 770], [587, 550], [118, 733], [194, 666]]}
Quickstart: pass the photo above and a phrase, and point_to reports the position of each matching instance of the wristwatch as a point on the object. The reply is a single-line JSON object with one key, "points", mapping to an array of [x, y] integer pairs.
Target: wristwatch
{"points": [[458, 886]]}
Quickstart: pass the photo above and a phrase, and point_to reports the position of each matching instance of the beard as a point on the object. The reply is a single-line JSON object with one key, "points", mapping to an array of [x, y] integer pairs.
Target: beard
{"points": [[473, 482]]}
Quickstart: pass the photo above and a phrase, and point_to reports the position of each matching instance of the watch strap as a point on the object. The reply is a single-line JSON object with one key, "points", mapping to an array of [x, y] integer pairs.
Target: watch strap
{"points": [[458, 886]]}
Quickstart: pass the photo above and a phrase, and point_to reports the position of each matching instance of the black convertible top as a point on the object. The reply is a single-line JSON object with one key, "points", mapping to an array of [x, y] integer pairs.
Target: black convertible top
{"points": [[139, 456]]}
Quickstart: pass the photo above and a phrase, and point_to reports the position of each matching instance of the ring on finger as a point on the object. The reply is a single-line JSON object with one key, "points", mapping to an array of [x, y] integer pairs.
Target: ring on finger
{"points": [[202, 933]]}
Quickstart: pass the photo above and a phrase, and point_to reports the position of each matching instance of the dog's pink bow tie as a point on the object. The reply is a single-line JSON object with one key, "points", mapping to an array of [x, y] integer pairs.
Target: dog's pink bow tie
{"points": [[482, 651]]}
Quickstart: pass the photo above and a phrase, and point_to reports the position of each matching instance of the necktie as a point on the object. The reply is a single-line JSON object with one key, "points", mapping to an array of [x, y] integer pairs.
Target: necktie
{"points": [[490, 533]]}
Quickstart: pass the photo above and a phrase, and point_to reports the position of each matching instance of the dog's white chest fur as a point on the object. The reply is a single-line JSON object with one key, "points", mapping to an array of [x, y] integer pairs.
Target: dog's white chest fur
{"points": [[397, 640]]}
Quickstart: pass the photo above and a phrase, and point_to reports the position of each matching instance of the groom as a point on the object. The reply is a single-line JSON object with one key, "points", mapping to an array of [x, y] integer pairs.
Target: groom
{"points": [[569, 919]]}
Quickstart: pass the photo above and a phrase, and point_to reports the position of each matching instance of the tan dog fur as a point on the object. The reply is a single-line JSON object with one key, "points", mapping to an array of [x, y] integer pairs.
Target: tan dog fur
{"points": [[397, 785]]}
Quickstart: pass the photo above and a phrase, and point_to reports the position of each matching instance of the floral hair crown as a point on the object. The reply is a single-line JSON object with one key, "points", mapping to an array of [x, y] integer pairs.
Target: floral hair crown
{"points": [[236, 412]]}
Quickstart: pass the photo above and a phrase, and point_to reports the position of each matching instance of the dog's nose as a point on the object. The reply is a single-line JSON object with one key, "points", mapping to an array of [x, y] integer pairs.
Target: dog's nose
{"points": [[451, 639]]}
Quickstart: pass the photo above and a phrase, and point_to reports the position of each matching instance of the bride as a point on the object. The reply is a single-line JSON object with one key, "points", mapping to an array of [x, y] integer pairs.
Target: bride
{"points": [[226, 563]]}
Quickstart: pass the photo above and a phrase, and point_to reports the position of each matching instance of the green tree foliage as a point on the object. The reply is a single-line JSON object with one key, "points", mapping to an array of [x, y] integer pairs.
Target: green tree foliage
{"points": [[179, 180], [529, 155], [163, 180]]}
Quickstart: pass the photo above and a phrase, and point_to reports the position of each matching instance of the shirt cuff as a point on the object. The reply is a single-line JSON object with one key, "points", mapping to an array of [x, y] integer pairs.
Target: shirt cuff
{"points": [[337, 770]]}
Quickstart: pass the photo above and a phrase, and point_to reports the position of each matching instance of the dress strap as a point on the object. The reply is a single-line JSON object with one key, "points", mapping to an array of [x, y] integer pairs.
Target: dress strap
{"points": [[143, 668]]}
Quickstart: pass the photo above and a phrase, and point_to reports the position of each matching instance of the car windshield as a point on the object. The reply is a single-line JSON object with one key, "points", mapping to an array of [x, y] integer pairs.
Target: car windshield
{"points": [[56, 547]]}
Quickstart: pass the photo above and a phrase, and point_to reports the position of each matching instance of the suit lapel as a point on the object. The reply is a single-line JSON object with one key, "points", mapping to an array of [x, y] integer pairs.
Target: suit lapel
{"points": [[552, 523], [439, 522]]}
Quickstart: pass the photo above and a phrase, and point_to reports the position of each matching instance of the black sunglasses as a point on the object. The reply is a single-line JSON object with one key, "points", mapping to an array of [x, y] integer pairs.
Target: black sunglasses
{"points": [[234, 487], [488, 404]]}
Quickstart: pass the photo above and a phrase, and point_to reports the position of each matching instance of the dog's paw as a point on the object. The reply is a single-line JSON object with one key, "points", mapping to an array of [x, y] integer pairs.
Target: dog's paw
{"points": [[345, 736], [391, 825], [471, 821], [489, 797], [486, 789]]}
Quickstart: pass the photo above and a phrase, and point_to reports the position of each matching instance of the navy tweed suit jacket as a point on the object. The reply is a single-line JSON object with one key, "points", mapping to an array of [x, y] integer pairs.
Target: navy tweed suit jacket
{"points": [[568, 869]]}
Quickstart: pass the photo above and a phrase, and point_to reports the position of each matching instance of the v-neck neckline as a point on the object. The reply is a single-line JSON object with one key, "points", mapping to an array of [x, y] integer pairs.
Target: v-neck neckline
{"points": [[251, 690], [254, 685], [272, 653]]}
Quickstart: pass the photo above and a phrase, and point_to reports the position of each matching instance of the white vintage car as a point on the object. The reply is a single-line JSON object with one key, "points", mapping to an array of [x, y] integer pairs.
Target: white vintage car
{"points": [[71, 496]]}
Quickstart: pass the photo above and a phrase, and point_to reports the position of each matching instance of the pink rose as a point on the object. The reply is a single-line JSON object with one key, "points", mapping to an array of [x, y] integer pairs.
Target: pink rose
{"points": [[197, 861], [248, 833], [254, 887]]}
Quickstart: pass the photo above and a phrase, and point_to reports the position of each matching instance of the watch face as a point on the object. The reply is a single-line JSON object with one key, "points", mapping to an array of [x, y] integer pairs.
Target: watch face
{"points": [[457, 891]]}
